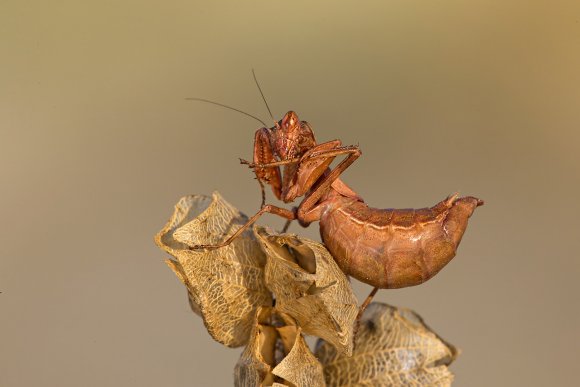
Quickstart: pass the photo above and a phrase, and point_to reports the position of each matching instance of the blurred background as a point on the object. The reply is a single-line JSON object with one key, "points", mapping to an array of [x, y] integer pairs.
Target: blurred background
{"points": [[98, 143]]}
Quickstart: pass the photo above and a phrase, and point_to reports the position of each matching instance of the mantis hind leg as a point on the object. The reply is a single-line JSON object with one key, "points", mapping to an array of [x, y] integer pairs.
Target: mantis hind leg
{"points": [[361, 311], [366, 303]]}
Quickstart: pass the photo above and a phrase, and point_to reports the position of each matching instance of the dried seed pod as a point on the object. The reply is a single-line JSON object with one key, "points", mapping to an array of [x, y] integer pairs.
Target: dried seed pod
{"points": [[393, 347], [300, 367], [225, 286], [257, 365], [310, 287], [254, 368]]}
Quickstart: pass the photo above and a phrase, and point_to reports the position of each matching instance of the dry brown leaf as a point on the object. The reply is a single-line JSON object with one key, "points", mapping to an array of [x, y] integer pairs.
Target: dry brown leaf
{"points": [[226, 285], [393, 347], [310, 287], [300, 368]]}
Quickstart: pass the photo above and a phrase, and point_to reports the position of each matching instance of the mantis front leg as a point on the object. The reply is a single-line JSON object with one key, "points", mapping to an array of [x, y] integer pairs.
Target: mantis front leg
{"points": [[306, 171], [308, 211], [264, 155]]}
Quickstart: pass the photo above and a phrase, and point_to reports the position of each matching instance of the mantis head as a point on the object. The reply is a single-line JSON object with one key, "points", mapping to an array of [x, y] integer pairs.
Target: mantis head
{"points": [[292, 137]]}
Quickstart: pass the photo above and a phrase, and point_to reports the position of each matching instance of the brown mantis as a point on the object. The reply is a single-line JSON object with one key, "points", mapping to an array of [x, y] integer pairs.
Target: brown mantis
{"points": [[385, 248]]}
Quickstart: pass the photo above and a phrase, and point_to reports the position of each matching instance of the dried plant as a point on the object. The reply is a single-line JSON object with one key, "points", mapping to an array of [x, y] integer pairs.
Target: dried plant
{"points": [[225, 286], [393, 347], [309, 286], [233, 289]]}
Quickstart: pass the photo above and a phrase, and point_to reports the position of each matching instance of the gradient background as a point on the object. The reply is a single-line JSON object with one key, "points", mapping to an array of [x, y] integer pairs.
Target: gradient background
{"points": [[97, 144]]}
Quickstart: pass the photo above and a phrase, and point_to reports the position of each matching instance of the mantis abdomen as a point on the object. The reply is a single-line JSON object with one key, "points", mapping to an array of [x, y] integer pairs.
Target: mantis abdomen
{"points": [[394, 248]]}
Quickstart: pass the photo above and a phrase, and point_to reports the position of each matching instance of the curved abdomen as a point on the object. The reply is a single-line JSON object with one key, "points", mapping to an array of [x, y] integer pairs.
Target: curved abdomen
{"points": [[395, 248]]}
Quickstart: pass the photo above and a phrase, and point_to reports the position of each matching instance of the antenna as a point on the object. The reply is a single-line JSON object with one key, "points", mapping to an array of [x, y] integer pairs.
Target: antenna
{"points": [[264, 98], [228, 107]]}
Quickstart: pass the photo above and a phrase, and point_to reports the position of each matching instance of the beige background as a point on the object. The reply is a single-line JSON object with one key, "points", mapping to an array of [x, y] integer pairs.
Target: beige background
{"points": [[97, 144]]}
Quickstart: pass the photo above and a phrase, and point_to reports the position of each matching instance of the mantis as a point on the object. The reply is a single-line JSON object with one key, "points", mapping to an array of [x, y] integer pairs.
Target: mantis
{"points": [[385, 248]]}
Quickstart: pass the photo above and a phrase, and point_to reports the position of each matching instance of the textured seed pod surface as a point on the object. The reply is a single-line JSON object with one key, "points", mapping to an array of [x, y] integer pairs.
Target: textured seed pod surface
{"points": [[226, 285], [393, 347], [310, 287]]}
